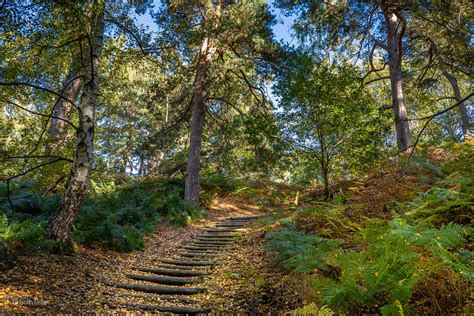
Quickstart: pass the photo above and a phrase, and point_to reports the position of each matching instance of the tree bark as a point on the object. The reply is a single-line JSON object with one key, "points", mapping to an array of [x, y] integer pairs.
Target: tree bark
{"points": [[72, 88], [192, 185], [201, 95], [394, 50], [462, 107], [60, 224]]}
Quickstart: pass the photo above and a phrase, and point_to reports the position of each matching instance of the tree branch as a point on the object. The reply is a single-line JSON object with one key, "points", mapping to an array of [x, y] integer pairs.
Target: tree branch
{"points": [[431, 117], [38, 113], [376, 79], [35, 86], [226, 102]]}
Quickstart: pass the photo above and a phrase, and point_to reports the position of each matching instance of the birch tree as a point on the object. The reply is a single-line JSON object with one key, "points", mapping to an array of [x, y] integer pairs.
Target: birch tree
{"points": [[60, 224]]}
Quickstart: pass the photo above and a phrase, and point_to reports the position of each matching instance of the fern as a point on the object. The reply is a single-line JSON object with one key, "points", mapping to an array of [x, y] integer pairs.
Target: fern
{"points": [[451, 199], [423, 163], [299, 251], [310, 310]]}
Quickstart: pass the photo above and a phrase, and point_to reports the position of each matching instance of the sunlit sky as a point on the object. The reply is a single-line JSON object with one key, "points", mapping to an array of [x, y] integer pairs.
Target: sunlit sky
{"points": [[282, 29]]}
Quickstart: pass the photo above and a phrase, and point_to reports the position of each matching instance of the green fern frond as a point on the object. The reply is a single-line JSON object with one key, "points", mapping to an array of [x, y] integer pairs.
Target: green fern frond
{"points": [[311, 310]]}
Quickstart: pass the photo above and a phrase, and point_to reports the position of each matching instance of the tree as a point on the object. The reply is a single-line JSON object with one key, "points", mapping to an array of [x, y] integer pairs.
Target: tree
{"points": [[210, 21], [441, 37], [374, 26], [226, 41], [60, 224], [396, 25], [325, 115]]}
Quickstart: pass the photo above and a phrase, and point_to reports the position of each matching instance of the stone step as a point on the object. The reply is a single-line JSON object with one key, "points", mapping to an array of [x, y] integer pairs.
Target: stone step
{"points": [[225, 230], [217, 236], [150, 297], [226, 224], [251, 217], [215, 247]]}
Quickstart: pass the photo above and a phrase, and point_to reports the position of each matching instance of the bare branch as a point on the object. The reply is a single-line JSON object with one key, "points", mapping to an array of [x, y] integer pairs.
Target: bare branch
{"points": [[127, 30], [377, 79], [38, 113], [34, 168], [226, 102], [431, 117], [35, 86], [39, 156]]}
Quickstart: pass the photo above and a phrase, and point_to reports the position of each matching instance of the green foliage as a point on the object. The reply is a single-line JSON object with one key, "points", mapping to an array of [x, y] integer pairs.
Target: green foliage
{"points": [[113, 215], [311, 309], [444, 243], [118, 216], [299, 251], [385, 273], [426, 164], [331, 126], [27, 201], [379, 276], [217, 183], [451, 199], [24, 235]]}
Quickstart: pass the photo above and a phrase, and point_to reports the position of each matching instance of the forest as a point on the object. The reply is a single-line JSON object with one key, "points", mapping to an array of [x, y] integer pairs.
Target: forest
{"points": [[287, 157]]}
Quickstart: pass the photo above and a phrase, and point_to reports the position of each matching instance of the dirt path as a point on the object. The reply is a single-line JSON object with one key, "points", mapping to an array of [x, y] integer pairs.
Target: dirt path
{"points": [[214, 265]]}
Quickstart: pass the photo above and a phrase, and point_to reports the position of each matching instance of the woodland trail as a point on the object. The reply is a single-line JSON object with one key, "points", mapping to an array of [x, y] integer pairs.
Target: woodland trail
{"points": [[183, 275], [226, 260]]}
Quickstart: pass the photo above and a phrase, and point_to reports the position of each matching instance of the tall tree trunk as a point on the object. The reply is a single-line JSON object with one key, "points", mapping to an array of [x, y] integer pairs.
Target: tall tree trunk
{"points": [[60, 224], [192, 187], [72, 87], [462, 107], [192, 184], [394, 49]]}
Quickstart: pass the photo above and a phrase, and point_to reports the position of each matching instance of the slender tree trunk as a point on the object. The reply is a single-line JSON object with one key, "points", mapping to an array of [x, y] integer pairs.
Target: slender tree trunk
{"points": [[60, 224], [462, 107], [192, 184], [394, 50], [325, 173], [465, 124], [324, 160], [72, 88]]}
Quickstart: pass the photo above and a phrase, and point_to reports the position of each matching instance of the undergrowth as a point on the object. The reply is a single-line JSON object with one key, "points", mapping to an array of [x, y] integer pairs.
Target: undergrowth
{"points": [[418, 261], [115, 214]]}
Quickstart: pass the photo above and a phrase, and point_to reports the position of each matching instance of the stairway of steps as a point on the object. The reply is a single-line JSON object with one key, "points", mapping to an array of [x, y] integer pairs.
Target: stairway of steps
{"points": [[176, 279]]}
